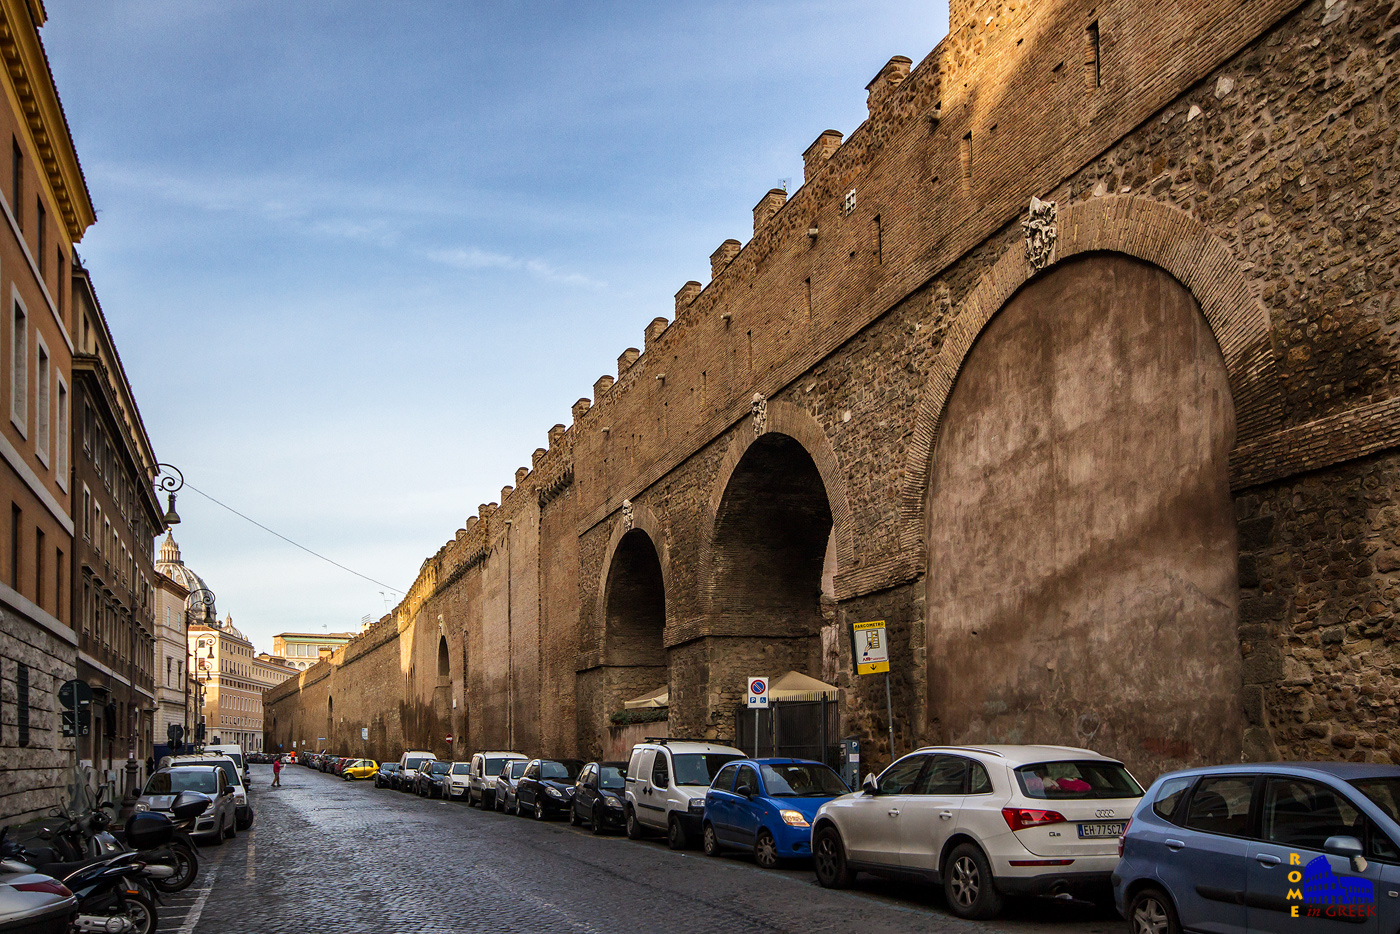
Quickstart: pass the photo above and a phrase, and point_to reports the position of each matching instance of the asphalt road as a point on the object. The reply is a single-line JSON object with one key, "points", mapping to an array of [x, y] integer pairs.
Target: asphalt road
{"points": [[328, 855]]}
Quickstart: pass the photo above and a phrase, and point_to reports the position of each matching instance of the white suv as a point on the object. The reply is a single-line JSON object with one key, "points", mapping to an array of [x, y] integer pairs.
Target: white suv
{"points": [[666, 784], [983, 821]]}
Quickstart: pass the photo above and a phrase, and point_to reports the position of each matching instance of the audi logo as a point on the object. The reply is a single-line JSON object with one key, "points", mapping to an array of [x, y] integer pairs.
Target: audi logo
{"points": [[1103, 812]]}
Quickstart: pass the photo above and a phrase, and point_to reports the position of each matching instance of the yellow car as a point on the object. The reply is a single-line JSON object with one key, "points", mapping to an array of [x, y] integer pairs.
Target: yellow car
{"points": [[360, 768]]}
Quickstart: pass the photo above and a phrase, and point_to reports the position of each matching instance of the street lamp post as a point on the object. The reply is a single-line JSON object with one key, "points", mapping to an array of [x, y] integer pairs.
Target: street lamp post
{"points": [[200, 597]]}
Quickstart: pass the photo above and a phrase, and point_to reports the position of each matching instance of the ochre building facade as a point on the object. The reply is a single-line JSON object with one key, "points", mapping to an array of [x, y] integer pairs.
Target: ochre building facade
{"points": [[1076, 363]]}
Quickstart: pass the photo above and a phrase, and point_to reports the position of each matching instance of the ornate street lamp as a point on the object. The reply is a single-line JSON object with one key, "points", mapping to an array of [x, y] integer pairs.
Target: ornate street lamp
{"points": [[170, 480]]}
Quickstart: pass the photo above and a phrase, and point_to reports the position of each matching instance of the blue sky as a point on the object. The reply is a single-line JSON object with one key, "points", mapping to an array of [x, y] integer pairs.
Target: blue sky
{"points": [[359, 257]]}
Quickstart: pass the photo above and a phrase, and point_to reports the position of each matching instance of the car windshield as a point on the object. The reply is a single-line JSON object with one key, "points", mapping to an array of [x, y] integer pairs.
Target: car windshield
{"points": [[439, 768], [1077, 780], [567, 770], [460, 768], [237, 759], [611, 777], [414, 763], [230, 770], [699, 768], [1385, 792], [802, 780], [390, 766], [172, 783], [517, 768], [494, 766]]}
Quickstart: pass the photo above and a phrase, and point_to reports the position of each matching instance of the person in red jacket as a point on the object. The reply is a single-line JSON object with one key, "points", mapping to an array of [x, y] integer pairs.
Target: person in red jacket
{"points": [[277, 772]]}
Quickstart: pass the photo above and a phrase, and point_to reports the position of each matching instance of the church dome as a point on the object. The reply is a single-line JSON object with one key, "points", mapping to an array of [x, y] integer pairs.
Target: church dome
{"points": [[169, 564]]}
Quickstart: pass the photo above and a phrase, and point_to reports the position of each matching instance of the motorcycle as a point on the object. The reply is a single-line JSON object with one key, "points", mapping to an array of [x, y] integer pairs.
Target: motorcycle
{"points": [[114, 893], [30, 901], [179, 855]]}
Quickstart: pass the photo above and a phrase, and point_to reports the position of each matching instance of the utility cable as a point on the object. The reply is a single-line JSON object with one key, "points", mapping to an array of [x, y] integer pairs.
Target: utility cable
{"points": [[284, 538]]}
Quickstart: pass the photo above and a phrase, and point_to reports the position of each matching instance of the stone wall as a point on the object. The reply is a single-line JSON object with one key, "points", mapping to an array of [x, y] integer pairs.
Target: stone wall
{"points": [[1241, 154], [35, 773]]}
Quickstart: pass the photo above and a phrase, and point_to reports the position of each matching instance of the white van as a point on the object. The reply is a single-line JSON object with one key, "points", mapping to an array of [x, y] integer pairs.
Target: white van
{"points": [[234, 752], [481, 777], [409, 764], [666, 784]]}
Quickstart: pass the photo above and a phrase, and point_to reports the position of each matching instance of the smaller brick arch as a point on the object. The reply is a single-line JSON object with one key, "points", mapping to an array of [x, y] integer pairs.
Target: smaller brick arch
{"points": [[794, 421], [644, 519], [1150, 231]]}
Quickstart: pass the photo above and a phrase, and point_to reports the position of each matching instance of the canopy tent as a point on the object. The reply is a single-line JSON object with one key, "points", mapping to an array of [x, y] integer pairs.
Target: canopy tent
{"points": [[795, 686], [661, 697]]}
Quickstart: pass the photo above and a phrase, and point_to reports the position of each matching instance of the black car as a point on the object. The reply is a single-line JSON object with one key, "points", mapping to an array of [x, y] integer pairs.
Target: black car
{"points": [[504, 795], [547, 787], [387, 775], [429, 783], [598, 797]]}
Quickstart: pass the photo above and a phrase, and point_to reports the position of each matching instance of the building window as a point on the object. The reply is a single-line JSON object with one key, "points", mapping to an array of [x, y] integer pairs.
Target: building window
{"points": [[22, 702], [58, 586], [42, 218], [39, 549], [61, 467], [42, 400], [62, 262], [19, 372], [16, 519], [16, 179]]}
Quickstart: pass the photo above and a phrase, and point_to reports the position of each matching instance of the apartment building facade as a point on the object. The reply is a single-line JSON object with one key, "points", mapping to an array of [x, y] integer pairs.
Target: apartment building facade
{"points": [[301, 650], [46, 209]]}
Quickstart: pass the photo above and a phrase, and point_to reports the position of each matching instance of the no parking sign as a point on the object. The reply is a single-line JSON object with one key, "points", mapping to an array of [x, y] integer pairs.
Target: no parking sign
{"points": [[758, 693]]}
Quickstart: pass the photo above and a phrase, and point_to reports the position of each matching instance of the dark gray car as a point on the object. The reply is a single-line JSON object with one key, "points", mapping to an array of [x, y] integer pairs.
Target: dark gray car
{"points": [[505, 785]]}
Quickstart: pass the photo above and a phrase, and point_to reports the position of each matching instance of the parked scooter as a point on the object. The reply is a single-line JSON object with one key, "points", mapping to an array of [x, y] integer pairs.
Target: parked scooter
{"points": [[30, 901], [114, 893], [179, 855]]}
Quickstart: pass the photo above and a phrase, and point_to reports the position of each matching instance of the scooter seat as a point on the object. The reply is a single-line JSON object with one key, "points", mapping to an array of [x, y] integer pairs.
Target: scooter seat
{"points": [[64, 870]]}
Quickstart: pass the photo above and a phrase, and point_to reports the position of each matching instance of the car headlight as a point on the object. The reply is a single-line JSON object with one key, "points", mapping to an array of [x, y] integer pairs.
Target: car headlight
{"points": [[555, 792], [697, 804], [793, 818], [142, 806], [613, 802]]}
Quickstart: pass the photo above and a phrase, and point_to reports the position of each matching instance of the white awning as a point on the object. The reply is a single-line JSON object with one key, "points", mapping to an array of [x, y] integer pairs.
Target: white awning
{"points": [[795, 686], [661, 697]]}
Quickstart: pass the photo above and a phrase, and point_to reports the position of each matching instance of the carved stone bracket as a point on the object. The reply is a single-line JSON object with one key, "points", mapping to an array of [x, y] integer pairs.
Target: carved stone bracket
{"points": [[1039, 226], [628, 518], [759, 408]]}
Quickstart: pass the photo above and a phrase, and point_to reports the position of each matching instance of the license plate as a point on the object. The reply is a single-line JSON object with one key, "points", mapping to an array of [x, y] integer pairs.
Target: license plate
{"points": [[1094, 831]]}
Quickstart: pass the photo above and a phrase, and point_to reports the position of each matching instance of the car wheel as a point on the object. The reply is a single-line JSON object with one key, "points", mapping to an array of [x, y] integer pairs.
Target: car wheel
{"points": [[676, 837], [574, 819], [1151, 912], [634, 828], [595, 821], [829, 860], [709, 842], [539, 808], [968, 884], [765, 851]]}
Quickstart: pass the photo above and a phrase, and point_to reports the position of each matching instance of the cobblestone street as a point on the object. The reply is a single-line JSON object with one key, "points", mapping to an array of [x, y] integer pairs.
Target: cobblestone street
{"points": [[329, 855]]}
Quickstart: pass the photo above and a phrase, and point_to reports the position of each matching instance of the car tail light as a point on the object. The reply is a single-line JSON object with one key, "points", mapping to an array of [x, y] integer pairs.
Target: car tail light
{"points": [[51, 886], [1126, 827], [1021, 818]]}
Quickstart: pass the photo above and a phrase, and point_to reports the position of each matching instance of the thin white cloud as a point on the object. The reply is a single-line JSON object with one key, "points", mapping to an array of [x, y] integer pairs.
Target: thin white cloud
{"points": [[472, 258]]}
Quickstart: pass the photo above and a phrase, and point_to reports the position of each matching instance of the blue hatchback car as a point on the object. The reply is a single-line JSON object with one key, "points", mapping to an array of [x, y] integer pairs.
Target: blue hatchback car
{"points": [[1279, 847], [767, 806]]}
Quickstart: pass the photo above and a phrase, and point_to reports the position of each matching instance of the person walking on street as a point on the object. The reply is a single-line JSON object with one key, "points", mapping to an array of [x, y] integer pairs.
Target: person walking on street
{"points": [[277, 772]]}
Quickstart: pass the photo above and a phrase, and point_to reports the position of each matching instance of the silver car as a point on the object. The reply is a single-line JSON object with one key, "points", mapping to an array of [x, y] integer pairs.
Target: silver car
{"points": [[219, 819], [506, 781]]}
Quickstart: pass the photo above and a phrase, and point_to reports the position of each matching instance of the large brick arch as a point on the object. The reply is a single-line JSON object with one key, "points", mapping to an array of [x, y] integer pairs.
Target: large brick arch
{"points": [[646, 520], [1147, 230]]}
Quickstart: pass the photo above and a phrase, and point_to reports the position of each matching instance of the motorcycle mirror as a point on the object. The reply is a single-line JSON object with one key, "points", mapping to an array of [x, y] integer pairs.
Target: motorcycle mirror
{"points": [[188, 804]]}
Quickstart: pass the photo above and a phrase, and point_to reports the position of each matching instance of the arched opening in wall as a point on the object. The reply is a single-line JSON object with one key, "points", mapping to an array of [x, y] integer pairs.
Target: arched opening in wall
{"points": [[330, 723], [770, 548], [444, 664], [1081, 584], [634, 619]]}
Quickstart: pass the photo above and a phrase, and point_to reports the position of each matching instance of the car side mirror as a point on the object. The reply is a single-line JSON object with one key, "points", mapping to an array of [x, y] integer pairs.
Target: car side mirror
{"points": [[1349, 848], [228, 790], [870, 786]]}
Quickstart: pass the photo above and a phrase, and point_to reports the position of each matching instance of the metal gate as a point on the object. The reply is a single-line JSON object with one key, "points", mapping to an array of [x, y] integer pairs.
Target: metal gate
{"points": [[805, 729]]}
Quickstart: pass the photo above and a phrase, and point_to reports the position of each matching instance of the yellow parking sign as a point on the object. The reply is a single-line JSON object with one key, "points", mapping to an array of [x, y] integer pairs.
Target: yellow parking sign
{"points": [[872, 653]]}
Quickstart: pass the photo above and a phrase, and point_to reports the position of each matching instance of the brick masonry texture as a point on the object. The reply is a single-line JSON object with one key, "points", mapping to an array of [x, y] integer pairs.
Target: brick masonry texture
{"points": [[1247, 151]]}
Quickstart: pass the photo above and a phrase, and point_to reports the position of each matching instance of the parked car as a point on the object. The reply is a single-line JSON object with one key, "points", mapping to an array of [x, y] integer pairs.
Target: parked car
{"points": [[481, 779], [384, 778], [546, 788], [598, 795], [243, 808], [504, 794], [219, 819], [767, 806], [359, 768], [429, 781], [409, 764], [1213, 848], [455, 781], [984, 822], [666, 784], [235, 752]]}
